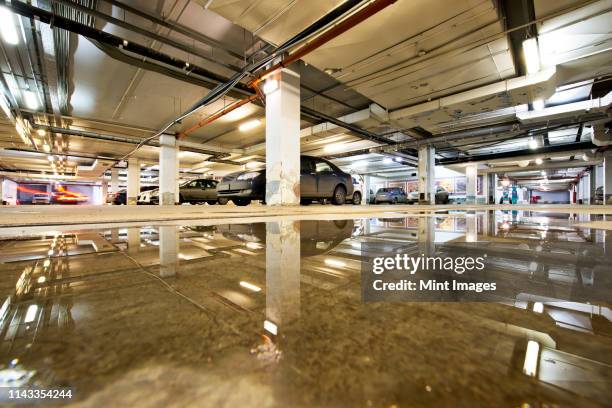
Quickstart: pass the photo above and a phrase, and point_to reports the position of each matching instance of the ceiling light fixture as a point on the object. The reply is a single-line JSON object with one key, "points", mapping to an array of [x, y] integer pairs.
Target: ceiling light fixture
{"points": [[532, 55], [30, 99], [533, 144], [46, 148], [334, 147], [538, 104], [539, 161], [7, 27], [50, 158], [251, 124], [387, 160], [41, 132]]}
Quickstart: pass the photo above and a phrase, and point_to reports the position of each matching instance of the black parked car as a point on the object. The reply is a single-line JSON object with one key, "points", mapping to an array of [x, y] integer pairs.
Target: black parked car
{"points": [[320, 179]]}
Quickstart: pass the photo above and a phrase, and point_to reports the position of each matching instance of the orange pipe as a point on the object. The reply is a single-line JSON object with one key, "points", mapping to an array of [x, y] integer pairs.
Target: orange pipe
{"points": [[217, 115], [327, 36]]}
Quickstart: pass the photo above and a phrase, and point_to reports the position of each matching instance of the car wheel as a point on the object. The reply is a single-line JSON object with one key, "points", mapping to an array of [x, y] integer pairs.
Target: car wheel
{"points": [[339, 195], [181, 199], [222, 200], [356, 198], [305, 202], [394, 200], [211, 202], [241, 202]]}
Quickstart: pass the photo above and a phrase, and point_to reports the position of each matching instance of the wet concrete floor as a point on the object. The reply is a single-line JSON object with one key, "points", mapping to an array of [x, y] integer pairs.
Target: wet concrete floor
{"points": [[271, 314]]}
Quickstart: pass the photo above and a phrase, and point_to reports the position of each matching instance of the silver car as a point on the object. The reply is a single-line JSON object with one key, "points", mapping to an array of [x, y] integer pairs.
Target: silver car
{"points": [[42, 198]]}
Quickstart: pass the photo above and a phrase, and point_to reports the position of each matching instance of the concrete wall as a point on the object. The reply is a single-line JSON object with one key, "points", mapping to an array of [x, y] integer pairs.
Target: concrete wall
{"points": [[553, 197]]}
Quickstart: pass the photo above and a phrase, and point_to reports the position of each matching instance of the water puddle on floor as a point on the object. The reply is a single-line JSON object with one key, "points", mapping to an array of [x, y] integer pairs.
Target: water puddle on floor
{"points": [[271, 314]]}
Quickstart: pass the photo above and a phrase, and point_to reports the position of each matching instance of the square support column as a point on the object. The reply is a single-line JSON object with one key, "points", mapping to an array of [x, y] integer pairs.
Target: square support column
{"points": [[133, 182], [471, 172], [283, 138], [114, 180], [607, 178], [367, 185], [104, 192], [427, 182], [592, 184], [168, 170]]}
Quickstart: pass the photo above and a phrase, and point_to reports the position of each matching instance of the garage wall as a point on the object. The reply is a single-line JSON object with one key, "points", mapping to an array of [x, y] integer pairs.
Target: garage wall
{"points": [[553, 197]]}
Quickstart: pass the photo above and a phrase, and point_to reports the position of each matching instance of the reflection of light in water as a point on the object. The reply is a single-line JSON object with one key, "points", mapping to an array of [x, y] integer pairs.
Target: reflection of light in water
{"points": [[505, 226], [41, 279], [253, 245], [333, 262], [531, 358], [47, 263], [270, 327], [31, 314], [250, 286], [538, 307]]}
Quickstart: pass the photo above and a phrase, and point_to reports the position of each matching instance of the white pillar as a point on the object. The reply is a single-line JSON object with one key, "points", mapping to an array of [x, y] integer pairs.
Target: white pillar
{"points": [[367, 183], [471, 171], [485, 187], [133, 181], [168, 250], [427, 182], [282, 273], [104, 188], [592, 184], [168, 156], [607, 178], [283, 138], [114, 180]]}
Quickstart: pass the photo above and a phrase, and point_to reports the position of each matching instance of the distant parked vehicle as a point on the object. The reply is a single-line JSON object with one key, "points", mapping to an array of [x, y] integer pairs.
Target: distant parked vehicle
{"points": [[117, 197], [319, 180], [391, 195], [356, 200], [194, 192], [42, 198], [598, 198], [441, 196]]}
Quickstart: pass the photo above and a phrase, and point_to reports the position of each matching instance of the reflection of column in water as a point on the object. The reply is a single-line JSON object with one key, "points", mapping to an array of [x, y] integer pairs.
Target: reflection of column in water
{"points": [[133, 239], [427, 235], [168, 250], [114, 235], [282, 274], [471, 227]]}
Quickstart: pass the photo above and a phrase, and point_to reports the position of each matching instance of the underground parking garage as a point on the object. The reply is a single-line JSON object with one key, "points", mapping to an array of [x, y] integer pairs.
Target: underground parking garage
{"points": [[382, 203]]}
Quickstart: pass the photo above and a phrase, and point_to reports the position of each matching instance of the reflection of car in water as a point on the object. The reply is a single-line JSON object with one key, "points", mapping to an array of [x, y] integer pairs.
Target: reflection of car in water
{"points": [[316, 237]]}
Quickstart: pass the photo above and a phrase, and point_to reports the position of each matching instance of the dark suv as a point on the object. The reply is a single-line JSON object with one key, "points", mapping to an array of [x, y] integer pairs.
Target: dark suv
{"points": [[320, 179]]}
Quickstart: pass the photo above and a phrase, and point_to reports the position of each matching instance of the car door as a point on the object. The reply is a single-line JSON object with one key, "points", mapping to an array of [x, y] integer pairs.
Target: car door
{"points": [[308, 178], [188, 191], [326, 178], [210, 192]]}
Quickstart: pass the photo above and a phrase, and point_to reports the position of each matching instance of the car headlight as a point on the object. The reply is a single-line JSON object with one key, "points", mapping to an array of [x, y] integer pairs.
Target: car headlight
{"points": [[248, 176]]}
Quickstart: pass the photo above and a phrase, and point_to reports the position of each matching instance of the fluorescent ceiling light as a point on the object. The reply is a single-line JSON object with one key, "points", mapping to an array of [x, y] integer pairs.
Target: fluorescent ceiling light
{"points": [[253, 164], [41, 132], [30, 314], [543, 173], [250, 286], [50, 158], [46, 148], [539, 161], [387, 160], [333, 262], [538, 307], [251, 124], [270, 327], [31, 100], [530, 365], [41, 279], [532, 55], [334, 147], [533, 144], [7, 27], [538, 104]]}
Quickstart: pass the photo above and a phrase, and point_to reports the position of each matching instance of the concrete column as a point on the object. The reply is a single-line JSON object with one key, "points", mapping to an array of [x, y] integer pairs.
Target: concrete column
{"points": [[104, 192], [427, 181], [282, 274], [178, 176], [592, 184], [283, 138], [114, 180], [607, 178], [471, 172], [133, 239], [168, 250], [133, 181], [168, 158], [426, 236], [367, 185]]}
